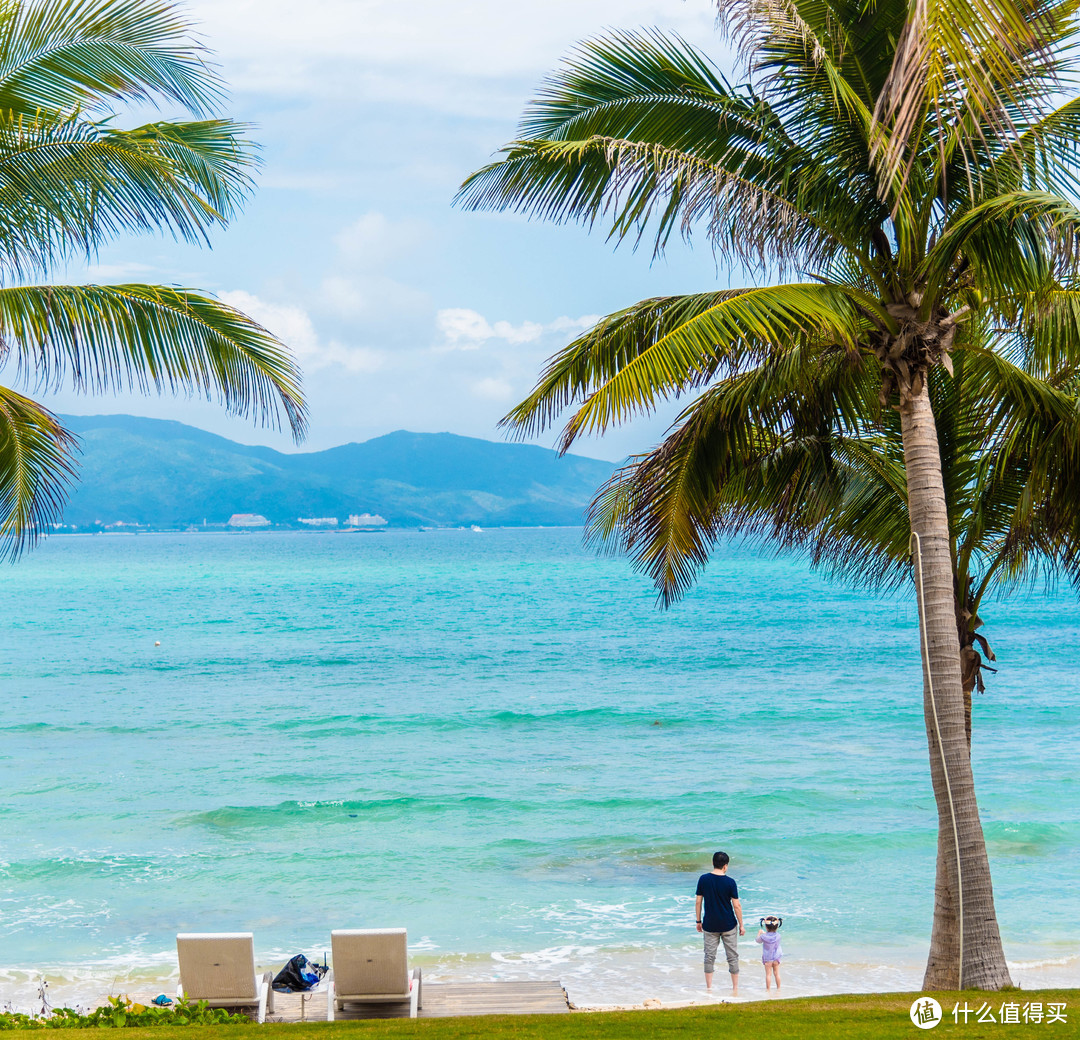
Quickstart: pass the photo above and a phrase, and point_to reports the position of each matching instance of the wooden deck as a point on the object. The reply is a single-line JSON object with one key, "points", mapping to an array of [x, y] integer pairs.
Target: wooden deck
{"points": [[441, 1000]]}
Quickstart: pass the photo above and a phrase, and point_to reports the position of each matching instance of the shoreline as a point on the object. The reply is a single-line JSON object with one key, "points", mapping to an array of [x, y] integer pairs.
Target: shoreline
{"points": [[641, 987]]}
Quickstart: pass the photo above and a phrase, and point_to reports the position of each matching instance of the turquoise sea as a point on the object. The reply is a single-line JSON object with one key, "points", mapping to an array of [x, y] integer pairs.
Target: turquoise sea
{"points": [[494, 739]]}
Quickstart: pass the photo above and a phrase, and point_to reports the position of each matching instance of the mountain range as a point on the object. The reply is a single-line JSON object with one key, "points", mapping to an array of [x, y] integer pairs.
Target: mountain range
{"points": [[165, 474]]}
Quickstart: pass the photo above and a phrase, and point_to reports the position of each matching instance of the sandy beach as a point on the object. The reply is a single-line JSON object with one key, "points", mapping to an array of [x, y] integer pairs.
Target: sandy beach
{"points": [[636, 987]]}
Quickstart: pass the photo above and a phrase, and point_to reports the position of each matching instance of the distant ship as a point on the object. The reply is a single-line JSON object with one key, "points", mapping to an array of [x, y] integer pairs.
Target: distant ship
{"points": [[478, 530]]}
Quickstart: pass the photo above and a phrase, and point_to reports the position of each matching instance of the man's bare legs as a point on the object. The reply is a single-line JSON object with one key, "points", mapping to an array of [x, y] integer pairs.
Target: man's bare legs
{"points": [[734, 983]]}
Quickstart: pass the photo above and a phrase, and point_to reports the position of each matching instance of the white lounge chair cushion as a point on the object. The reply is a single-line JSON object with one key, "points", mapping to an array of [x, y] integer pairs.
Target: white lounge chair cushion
{"points": [[370, 964], [218, 967]]}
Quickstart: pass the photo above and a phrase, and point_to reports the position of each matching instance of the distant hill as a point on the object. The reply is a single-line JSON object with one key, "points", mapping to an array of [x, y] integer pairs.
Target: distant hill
{"points": [[166, 474]]}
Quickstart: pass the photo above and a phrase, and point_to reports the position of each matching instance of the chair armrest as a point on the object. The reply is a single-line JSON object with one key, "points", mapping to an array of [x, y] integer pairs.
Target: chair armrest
{"points": [[415, 996], [330, 988], [260, 988]]}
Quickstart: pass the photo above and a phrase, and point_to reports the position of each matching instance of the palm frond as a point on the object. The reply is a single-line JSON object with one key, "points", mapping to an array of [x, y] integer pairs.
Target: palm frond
{"points": [[665, 346], [639, 130], [955, 57], [1014, 244], [36, 469], [645, 85], [59, 55], [67, 186], [103, 338], [1044, 155], [1040, 330], [761, 455]]}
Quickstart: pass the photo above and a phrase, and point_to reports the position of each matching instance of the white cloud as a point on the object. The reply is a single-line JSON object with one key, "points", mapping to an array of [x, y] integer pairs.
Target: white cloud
{"points": [[464, 329], [373, 239], [496, 361], [354, 359], [294, 327], [290, 324], [305, 180], [574, 326], [358, 288], [370, 298], [344, 296], [427, 52], [493, 389], [526, 332]]}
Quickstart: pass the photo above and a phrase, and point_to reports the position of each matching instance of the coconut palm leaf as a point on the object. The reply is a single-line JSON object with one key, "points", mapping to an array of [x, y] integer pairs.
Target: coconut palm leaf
{"points": [[956, 57], [36, 469], [71, 179], [770, 454], [630, 361], [105, 338], [66, 186], [1013, 243], [60, 55], [1044, 155], [1041, 329], [641, 128]]}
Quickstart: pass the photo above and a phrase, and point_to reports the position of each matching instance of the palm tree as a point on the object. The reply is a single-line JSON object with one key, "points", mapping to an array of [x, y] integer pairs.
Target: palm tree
{"points": [[910, 164], [801, 457], [71, 180]]}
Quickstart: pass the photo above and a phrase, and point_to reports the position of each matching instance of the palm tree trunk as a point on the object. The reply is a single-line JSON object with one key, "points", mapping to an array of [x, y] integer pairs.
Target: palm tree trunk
{"points": [[941, 965], [964, 883]]}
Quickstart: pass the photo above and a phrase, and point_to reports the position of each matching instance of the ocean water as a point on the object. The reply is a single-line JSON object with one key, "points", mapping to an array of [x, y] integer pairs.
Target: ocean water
{"points": [[496, 740]]}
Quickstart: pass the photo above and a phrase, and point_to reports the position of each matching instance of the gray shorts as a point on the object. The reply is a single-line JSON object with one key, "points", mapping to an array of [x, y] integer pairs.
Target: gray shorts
{"points": [[731, 950]]}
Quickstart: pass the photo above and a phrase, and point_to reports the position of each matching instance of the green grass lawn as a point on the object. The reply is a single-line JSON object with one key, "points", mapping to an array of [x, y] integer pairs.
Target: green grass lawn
{"points": [[835, 1018]]}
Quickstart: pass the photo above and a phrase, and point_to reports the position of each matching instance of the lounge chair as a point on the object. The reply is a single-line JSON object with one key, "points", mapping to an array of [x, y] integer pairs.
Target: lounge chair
{"points": [[371, 967], [219, 967]]}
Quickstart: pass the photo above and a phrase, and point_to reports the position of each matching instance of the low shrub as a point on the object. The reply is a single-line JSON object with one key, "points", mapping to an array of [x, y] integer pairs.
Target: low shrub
{"points": [[121, 1012]]}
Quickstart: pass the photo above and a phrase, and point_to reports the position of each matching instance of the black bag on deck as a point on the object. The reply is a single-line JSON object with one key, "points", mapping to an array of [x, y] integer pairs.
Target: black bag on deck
{"points": [[298, 975]]}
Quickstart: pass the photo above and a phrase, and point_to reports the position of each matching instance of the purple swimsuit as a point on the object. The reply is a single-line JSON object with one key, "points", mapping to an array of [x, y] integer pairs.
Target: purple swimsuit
{"points": [[770, 946]]}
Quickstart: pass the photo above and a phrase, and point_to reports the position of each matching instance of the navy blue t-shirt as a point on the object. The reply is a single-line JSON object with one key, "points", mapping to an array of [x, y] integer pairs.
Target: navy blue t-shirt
{"points": [[719, 890]]}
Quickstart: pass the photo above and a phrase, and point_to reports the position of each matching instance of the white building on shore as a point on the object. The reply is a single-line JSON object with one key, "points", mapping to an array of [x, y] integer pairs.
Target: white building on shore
{"points": [[366, 520], [248, 520]]}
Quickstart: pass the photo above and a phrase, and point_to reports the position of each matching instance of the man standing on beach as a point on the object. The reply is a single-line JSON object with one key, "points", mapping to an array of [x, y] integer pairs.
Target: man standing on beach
{"points": [[719, 896]]}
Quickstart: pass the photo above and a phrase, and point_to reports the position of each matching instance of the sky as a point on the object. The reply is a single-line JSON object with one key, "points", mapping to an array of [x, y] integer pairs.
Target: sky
{"points": [[404, 311]]}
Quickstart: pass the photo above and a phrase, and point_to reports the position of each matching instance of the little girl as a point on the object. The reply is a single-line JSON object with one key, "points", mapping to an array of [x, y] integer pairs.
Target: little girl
{"points": [[770, 948]]}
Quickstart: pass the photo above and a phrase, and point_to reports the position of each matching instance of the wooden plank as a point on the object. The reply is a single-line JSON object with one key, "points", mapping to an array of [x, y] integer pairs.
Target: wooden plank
{"points": [[441, 1000]]}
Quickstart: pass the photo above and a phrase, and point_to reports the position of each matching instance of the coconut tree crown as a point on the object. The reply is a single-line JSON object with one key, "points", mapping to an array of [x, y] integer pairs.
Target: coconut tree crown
{"points": [[905, 226], [907, 229], [72, 180]]}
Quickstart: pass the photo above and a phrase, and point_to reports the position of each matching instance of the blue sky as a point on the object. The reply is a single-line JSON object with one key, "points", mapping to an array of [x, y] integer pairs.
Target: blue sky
{"points": [[404, 312]]}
